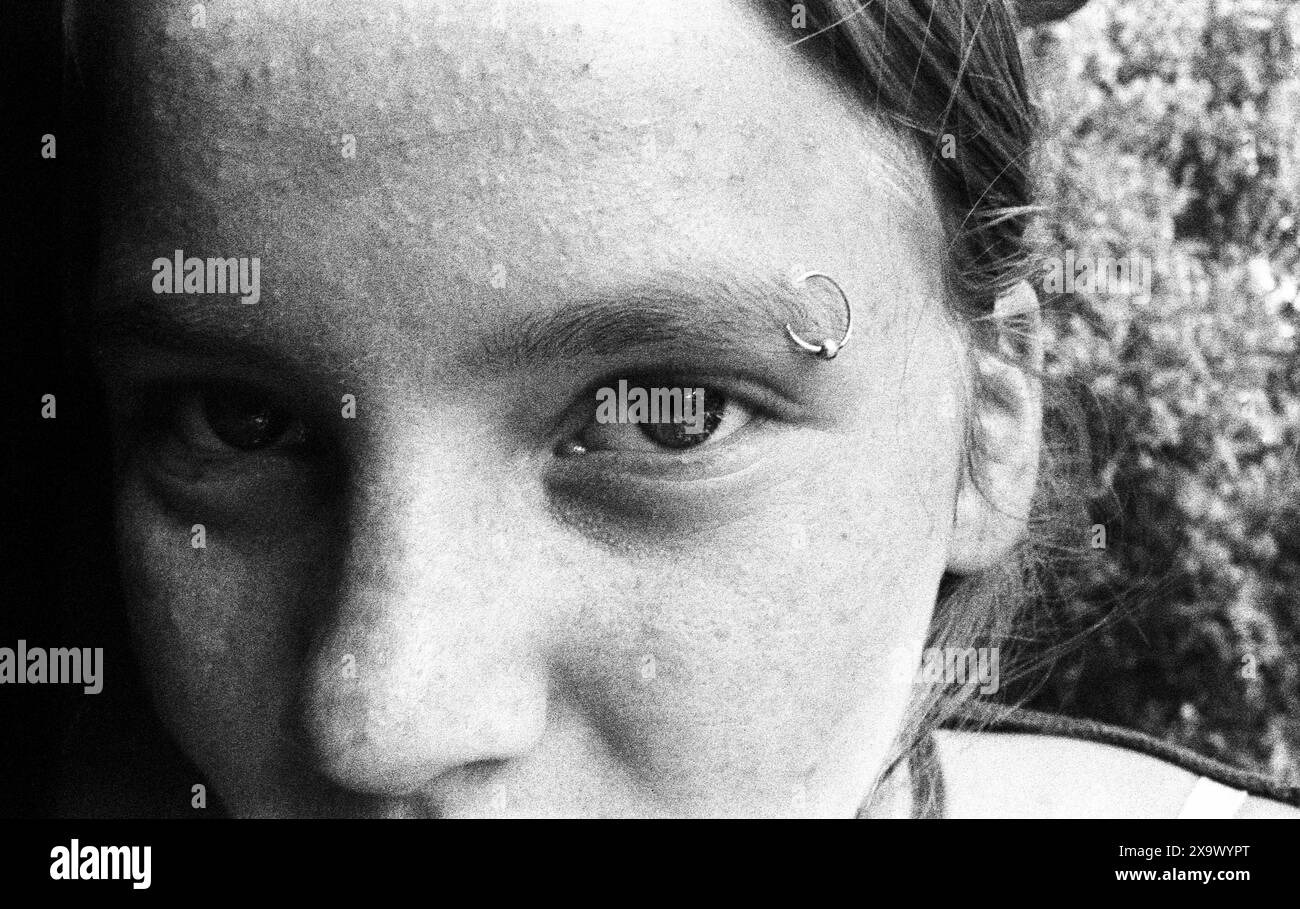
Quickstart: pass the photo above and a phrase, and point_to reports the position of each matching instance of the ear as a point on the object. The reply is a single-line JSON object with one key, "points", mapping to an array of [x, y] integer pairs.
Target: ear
{"points": [[1005, 413]]}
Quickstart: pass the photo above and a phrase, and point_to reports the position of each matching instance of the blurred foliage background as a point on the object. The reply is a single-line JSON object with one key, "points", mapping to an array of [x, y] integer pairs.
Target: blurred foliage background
{"points": [[1174, 131]]}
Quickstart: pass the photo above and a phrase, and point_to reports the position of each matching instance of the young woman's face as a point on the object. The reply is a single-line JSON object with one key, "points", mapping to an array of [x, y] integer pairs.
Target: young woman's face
{"points": [[427, 602]]}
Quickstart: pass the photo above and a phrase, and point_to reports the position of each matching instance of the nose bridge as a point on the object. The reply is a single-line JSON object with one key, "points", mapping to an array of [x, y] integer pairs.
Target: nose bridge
{"points": [[426, 661]]}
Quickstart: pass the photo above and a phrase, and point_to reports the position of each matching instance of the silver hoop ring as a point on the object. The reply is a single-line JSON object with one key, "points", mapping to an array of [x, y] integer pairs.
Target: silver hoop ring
{"points": [[829, 348]]}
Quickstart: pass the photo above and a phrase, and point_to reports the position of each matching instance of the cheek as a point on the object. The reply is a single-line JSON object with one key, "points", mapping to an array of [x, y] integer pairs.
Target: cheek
{"points": [[219, 628], [774, 642], [847, 573]]}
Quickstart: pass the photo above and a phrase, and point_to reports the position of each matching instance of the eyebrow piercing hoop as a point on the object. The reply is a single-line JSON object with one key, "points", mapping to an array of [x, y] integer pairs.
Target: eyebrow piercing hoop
{"points": [[829, 348]]}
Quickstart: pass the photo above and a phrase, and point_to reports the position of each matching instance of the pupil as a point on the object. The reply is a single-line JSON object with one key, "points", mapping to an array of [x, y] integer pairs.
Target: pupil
{"points": [[676, 435], [244, 420]]}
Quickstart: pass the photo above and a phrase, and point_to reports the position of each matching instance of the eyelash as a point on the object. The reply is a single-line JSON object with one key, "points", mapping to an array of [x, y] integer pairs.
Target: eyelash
{"points": [[306, 451], [712, 391], [159, 415]]}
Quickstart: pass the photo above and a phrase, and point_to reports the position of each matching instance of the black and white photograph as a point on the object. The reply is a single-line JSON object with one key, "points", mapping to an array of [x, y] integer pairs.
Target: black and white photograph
{"points": [[638, 409]]}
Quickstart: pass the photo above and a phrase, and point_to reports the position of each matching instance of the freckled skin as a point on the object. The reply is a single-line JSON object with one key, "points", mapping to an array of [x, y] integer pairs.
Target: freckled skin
{"points": [[500, 637]]}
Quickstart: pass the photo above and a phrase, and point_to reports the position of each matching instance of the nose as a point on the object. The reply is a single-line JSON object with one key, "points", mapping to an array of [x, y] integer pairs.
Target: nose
{"points": [[428, 660]]}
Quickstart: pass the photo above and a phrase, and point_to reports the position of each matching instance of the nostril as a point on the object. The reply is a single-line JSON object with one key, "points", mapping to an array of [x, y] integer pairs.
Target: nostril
{"points": [[473, 789], [295, 736], [483, 772]]}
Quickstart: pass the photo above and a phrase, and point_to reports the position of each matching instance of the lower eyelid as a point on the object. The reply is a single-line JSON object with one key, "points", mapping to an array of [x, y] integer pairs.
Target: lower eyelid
{"points": [[713, 441], [730, 456], [598, 502], [254, 478]]}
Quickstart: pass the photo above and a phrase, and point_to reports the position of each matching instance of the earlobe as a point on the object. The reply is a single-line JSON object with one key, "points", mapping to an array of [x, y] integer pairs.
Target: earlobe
{"points": [[1000, 469]]}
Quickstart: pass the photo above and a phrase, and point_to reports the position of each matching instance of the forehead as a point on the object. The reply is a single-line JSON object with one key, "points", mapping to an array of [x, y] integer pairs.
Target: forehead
{"points": [[401, 150]]}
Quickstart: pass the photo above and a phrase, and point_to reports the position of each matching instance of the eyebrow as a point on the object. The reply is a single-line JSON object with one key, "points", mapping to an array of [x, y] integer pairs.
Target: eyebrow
{"points": [[218, 333], [737, 317]]}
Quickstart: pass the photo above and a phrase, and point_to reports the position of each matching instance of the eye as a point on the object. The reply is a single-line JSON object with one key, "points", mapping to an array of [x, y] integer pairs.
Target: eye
{"points": [[215, 420], [648, 417]]}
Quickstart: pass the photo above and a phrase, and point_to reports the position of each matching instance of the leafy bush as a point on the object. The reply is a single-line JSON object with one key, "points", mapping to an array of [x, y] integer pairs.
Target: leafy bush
{"points": [[1173, 130]]}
